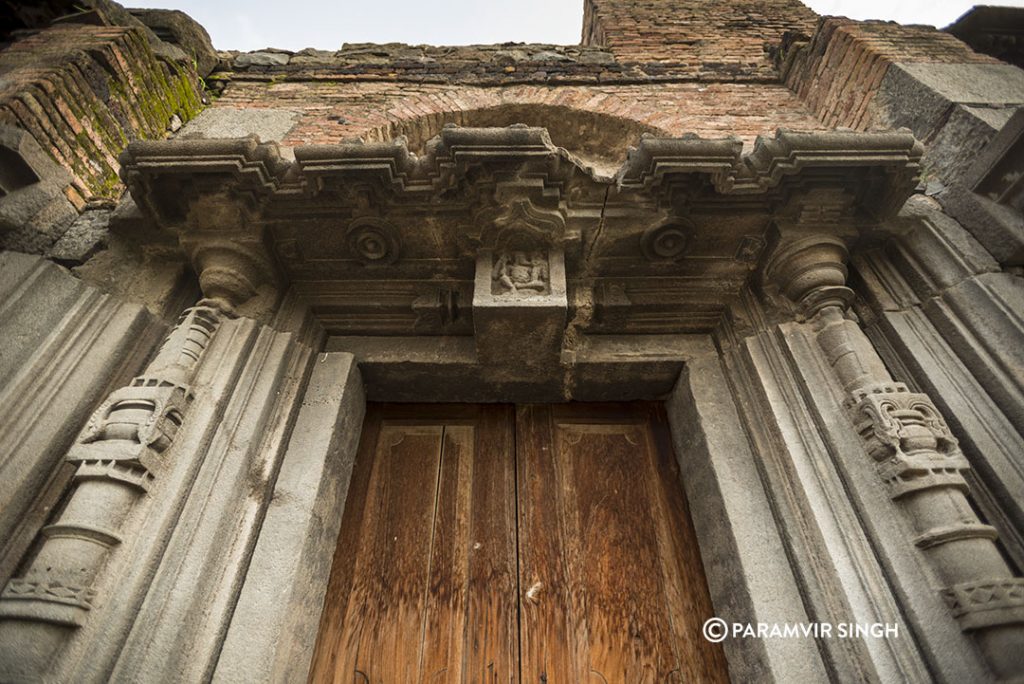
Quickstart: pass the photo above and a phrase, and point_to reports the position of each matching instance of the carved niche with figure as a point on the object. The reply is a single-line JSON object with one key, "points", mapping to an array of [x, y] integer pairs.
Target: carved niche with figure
{"points": [[521, 273]]}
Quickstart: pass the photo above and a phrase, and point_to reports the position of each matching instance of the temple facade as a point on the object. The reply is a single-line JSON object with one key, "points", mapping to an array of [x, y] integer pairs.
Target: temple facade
{"points": [[513, 362]]}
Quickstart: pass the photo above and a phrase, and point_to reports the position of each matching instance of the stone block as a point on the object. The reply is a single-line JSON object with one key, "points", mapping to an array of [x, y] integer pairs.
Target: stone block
{"points": [[34, 209], [965, 133], [919, 96], [748, 573], [520, 307], [248, 59], [86, 236], [275, 623], [988, 200], [268, 124], [178, 28]]}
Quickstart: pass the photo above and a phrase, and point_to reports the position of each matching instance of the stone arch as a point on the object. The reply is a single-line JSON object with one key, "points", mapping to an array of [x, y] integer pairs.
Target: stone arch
{"points": [[596, 129]]}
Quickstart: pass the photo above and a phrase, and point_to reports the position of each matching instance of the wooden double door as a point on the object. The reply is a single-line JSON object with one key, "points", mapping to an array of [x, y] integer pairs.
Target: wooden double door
{"points": [[497, 543]]}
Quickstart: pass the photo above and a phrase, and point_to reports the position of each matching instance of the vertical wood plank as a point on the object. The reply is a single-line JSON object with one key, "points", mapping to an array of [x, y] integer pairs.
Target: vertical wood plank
{"points": [[445, 611], [492, 632], [383, 626], [548, 625]]}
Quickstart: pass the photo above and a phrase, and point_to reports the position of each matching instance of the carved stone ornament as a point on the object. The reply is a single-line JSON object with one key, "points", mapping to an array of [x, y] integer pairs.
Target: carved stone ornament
{"points": [[134, 422], [907, 437], [373, 241], [521, 273], [665, 242]]}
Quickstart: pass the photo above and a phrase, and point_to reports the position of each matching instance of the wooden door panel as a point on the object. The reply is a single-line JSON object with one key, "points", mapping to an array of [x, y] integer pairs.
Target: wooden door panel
{"points": [[607, 593], [546, 544], [423, 585]]}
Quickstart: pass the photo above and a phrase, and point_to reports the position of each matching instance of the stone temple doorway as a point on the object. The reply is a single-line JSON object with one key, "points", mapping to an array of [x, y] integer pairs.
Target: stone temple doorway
{"points": [[500, 543]]}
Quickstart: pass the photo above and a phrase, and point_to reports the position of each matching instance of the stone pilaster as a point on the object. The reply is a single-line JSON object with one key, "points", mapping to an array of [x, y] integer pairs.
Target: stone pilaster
{"points": [[119, 457], [916, 456]]}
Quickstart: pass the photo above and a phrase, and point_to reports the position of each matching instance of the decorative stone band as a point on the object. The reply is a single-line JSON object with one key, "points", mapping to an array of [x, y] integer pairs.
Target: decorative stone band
{"points": [[89, 533], [944, 535], [114, 471], [978, 605], [50, 602]]}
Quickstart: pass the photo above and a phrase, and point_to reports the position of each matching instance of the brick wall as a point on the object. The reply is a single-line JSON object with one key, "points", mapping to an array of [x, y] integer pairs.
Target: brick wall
{"points": [[599, 120], [838, 70], [83, 92], [730, 36]]}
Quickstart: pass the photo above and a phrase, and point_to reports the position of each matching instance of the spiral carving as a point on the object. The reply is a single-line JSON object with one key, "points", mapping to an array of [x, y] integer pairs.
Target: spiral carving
{"points": [[666, 242], [373, 242]]}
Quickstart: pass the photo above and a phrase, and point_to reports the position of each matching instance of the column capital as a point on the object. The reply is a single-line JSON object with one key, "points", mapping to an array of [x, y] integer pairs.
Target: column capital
{"points": [[810, 271]]}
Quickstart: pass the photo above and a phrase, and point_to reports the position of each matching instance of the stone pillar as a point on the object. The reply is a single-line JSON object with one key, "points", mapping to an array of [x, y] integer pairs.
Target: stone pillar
{"points": [[120, 455], [915, 454]]}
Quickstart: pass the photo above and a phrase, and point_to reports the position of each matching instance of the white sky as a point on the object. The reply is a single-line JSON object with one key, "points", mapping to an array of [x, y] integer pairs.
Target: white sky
{"points": [[326, 24]]}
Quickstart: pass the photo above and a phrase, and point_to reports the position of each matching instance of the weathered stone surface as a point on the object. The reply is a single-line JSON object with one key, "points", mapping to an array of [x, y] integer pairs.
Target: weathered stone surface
{"points": [[82, 92], [987, 198], [34, 207], [84, 238], [275, 623], [261, 59], [178, 28], [964, 135], [267, 124], [993, 30], [838, 69], [921, 96], [744, 560]]}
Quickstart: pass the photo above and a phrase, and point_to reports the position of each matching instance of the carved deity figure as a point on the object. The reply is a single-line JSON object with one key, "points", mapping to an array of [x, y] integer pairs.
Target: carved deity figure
{"points": [[520, 270]]}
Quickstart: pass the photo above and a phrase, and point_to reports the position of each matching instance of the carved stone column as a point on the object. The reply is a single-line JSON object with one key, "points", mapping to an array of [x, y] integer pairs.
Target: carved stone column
{"points": [[120, 455], [916, 456]]}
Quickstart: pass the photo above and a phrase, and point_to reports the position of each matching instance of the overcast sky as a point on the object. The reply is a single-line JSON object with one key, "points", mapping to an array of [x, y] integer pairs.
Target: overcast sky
{"points": [[326, 24]]}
